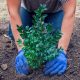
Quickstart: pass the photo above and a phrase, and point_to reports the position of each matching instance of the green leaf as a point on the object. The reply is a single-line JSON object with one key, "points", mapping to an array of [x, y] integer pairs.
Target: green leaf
{"points": [[19, 42], [49, 28], [20, 28]]}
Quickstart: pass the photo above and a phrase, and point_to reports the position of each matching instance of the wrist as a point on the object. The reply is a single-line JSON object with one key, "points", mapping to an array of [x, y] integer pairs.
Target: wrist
{"points": [[20, 51], [63, 53], [19, 47], [64, 50]]}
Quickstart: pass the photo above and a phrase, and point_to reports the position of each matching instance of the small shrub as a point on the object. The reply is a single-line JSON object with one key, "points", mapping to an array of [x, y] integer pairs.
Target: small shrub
{"points": [[40, 40]]}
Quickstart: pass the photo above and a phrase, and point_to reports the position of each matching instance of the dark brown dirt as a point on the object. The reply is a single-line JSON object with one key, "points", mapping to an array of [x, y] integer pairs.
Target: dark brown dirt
{"points": [[8, 52]]}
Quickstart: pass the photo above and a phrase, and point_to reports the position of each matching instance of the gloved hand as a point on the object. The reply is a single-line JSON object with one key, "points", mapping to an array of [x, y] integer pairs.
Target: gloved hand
{"points": [[21, 64], [57, 65]]}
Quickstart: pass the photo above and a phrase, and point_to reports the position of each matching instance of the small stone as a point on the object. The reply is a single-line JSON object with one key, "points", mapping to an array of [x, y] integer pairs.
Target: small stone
{"points": [[6, 36], [4, 67], [1, 77]]}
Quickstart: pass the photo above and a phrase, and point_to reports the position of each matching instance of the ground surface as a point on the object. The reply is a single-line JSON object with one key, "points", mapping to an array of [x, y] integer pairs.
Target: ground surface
{"points": [[8, 52]]}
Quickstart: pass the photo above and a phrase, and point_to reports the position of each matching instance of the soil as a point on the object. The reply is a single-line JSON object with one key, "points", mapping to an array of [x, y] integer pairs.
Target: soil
{"points": [[8, 51]]}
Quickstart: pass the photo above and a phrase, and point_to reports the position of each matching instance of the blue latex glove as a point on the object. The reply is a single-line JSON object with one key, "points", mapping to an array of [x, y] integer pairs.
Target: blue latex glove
{"points": [[21, 64], [56, 66]]}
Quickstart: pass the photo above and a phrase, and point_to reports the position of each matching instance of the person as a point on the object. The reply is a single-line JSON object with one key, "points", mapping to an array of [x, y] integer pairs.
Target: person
{"points": [[61, 14]]}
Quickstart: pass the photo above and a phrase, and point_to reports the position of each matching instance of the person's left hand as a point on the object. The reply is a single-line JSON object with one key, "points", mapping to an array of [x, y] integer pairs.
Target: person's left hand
{"points": [[57, 65]]}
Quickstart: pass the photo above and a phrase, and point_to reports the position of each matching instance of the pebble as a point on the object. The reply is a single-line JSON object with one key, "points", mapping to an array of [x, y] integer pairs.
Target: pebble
{"points": [[4, 67], [1, 77]]}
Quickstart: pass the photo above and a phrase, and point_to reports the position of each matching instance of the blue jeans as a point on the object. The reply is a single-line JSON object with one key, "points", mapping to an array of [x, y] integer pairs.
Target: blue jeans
{"points": [[54, 18]]}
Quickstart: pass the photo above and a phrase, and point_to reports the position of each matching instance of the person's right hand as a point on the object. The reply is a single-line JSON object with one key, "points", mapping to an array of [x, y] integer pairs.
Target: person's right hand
{"points": [[21, 64]]}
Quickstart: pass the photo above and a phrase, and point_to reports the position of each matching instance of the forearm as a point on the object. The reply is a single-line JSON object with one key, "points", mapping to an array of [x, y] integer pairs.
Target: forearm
{"points": [[67, 29], [14, 10], [14, 22]]}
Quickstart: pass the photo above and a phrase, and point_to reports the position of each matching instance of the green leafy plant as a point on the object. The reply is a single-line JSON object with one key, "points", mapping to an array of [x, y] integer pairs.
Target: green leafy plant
{"points": [[40, 40]]}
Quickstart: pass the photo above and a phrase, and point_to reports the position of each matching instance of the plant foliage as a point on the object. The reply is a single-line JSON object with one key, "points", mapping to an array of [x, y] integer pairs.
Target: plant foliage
{"points": [[40, 40]]}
